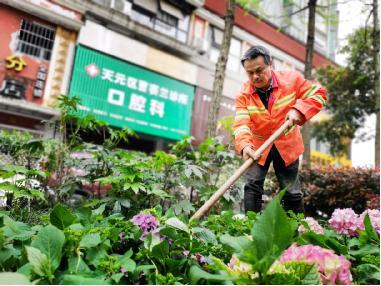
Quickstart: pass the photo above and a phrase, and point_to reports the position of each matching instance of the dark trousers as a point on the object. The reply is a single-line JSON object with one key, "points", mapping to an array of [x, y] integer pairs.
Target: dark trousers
{"points": [[287, 177]]}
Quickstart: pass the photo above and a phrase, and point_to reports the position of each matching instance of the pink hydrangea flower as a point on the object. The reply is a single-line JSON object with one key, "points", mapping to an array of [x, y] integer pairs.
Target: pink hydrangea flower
{"points": [[344, 221], [146, 222], [313, 224], [333, 269], [240, 268], [374, 216]]}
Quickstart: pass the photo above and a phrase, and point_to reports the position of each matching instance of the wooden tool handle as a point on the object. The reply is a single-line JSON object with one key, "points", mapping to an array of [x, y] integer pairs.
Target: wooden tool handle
{"points": [[222, 190]]}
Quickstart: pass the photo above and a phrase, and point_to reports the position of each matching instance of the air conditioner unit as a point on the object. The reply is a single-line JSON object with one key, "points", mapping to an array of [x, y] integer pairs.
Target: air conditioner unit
{"points": [[201, 45], [122, 6]]}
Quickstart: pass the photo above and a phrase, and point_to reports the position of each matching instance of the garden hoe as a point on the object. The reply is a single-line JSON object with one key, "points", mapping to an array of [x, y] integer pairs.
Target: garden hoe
{"points": [[222, 190]]}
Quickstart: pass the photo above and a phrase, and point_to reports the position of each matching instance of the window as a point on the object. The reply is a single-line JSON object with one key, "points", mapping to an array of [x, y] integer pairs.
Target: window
{"points": [[36, 40], [235, 50], [165, 23], [163, 18]]}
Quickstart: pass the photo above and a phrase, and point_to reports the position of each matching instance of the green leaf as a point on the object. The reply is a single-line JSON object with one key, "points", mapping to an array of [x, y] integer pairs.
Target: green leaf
{"points": [[70, 279], [242, 246], [99, 210], [26, 269], [13, 278], [205, 235], [90, 240], [17, 230], [61, 216], [127, 263], [37, 194], [272, 234], [77, 265], [366, 250], [50, 241], [161, 250], [39, 261], [116, 277], [368, 274], [176, 223], [371, 232], [196, 275], [6, 253], [84, 215]]}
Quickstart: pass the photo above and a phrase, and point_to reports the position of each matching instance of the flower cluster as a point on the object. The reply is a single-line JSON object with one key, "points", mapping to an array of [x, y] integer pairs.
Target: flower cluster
{"points": [[313, 224], [240, 268], [374, 216], [333, 269], [146, 222], [344, 221]]}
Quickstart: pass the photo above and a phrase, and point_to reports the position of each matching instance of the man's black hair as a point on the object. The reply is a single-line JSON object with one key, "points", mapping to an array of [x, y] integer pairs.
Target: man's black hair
{"points": [[256, 51]]}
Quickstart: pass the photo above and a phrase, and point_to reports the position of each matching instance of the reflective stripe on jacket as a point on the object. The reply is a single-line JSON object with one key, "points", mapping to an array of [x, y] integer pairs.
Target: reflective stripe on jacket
{"points": [[253, 123]]}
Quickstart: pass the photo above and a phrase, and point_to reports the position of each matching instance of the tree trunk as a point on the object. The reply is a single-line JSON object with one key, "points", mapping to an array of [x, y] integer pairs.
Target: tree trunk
{"points": [[306, 130], [219, 76], [376, 47]]}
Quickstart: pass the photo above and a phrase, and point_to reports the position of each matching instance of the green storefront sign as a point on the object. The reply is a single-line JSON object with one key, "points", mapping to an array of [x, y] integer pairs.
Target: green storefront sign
{"points": [[125, 95]]}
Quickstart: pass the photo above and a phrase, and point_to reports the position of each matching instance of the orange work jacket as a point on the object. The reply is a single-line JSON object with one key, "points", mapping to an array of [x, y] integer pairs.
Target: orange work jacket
{"points": [[253, 123]]}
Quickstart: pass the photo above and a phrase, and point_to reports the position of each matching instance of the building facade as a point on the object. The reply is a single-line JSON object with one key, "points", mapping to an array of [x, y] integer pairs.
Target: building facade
{"points": [[145, 64]]}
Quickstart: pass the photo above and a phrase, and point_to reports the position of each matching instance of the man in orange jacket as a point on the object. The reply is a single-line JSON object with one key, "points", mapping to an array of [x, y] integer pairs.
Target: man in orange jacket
{"points": [[266, 100]]}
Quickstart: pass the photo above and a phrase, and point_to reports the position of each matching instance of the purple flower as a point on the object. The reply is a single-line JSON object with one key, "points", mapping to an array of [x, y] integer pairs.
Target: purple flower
{"points": [[313, 224], [146, 222], [344, 221], [374, 216], [200, 258]]}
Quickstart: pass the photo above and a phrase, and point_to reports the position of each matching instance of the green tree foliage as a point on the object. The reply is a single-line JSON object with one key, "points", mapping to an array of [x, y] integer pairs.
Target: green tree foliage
{"points": [[350, 90]]}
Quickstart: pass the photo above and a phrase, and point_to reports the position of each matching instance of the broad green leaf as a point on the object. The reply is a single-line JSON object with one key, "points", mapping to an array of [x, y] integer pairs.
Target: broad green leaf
{"points": [[272, 233], [282, 279], [307, 273], [205, 235], [127, 263], [116, 277], [196, 275], [161, 250], [70, 279], [169, 232], [39, 261], [99, 210], [17, 230], [26, 269], [37, 194], [371, 232], [368, 274], [365, 250], [84, 215], [95, 255], [50, 241], [13, 278], [90, 240], [6, 253], [242, 246], [176, 223], [77, 265], [61, 216]]}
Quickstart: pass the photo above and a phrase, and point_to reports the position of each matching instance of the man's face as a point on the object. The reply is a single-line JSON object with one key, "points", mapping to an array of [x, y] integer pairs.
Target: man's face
{"points": [[258, 72]]}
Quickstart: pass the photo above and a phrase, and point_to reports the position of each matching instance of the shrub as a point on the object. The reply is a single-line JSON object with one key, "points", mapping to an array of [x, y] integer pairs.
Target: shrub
{"points": [[328, 188]]}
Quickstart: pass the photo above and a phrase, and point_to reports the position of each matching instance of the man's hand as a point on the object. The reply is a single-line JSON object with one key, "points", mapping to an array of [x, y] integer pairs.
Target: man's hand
{"points": [[249, 152], [294, 116]]}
